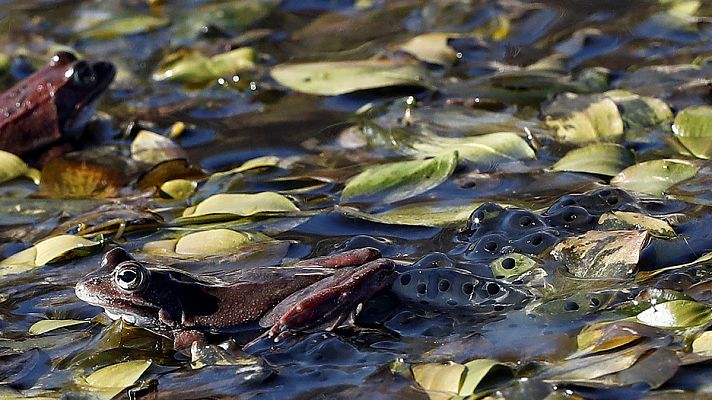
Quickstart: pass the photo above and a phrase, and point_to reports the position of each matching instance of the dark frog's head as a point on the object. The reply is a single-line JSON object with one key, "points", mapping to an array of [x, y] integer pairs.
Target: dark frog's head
{"points": [[54, 102], [122, 286]]}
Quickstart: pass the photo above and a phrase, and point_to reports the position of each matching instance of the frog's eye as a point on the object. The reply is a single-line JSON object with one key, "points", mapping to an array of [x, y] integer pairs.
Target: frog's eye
{"points": [[130, 277], [63, 58], [83, 74]]}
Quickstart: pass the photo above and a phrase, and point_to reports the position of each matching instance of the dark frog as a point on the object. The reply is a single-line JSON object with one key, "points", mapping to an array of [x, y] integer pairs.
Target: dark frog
{"points": [[53, 103], [319, 293]]}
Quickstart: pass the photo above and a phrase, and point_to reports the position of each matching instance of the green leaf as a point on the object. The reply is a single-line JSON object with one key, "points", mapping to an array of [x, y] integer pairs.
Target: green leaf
{"points": [[125, 26], [195, 68], [677, 314], [484, 149], [432, 47], [51, 250], [439, 377], [205, 243], [339, 77], [475, 372], [401, 180], [47, 325], [639, 112], [581, 119], [109, 381], [703, 344], [12, 166], [693, 128], [255, 163], [153, 148], [598, 158], [238, 205], [655, 176], [512, 264], [439, 213], [618, 220], [178, 189]]}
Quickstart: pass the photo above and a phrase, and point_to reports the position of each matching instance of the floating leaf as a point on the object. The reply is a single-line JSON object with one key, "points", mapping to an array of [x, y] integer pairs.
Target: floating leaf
{"points": [[169, 170], [47, 325], [512, 264], [85, 175], [677, 314], [596, 254], [618, 220], [205, 243], [239, 205], [703, 344], [153, 148], [598, 158], [12, 166], [639, 112], [125, 26], [401, 180], [444, 213], [51, 250], [446, 380], [655, 176], [195, 68], [475, 373], [178, 189], [335, 78], [255, 163], [109, 381], [432, 47], [693, 128], [491, 148], [439, 378], [605, 336], [581, 119]]}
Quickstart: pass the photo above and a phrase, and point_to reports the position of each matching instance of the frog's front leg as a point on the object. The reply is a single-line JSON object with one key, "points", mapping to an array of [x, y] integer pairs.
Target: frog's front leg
{"points": [[327, 303]]}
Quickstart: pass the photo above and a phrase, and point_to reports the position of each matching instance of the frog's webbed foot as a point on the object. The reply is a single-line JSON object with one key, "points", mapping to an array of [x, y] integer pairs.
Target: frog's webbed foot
{"points": [[328, 303]]}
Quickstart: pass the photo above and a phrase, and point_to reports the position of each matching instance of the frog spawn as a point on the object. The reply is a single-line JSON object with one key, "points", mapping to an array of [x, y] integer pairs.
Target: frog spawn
{"points": [[493, 230]]}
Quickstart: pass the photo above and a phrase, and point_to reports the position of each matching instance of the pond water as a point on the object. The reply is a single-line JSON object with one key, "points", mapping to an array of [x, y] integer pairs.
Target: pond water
{"points": [[537, 170]]}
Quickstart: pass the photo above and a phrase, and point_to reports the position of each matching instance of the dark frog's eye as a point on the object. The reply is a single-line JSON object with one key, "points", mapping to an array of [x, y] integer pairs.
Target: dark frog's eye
{"points": [[130, 276], [83, 74]]}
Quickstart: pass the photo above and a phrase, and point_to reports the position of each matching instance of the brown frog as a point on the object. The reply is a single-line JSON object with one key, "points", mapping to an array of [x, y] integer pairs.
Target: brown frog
{"points": [[319, 293], [53, 103]]}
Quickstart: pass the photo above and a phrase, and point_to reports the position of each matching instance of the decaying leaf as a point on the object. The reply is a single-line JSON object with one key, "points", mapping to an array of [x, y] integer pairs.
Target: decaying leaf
{"points": [[598, 254]]}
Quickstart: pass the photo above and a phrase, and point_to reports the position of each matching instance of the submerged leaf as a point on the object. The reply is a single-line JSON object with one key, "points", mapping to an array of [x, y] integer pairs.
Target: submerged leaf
{"points": [[178, 189], [339, 77], [655, 176], [617, 220], [640, 112], [598, 158], [195, 68], [125, 26], [612, 254], [400, 180], [47, 325], [693, 128], [109, 381], [512, 264]]}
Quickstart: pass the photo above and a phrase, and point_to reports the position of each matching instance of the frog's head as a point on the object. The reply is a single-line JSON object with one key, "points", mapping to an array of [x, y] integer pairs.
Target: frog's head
{"points": [[123, 287], [77, 86], [53, 103]]}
